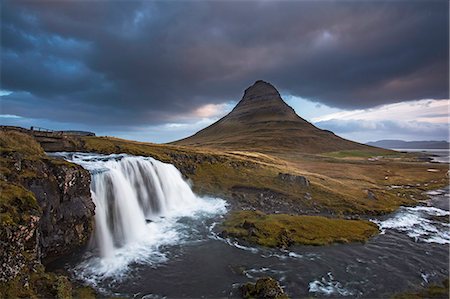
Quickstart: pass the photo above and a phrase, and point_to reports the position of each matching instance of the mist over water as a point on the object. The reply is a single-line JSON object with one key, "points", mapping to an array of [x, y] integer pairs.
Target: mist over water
{"points": [[155, 238]]}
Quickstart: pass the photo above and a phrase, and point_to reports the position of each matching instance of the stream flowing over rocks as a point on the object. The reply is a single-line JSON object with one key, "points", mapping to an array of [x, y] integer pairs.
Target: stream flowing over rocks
{"points": [[155, 238]]}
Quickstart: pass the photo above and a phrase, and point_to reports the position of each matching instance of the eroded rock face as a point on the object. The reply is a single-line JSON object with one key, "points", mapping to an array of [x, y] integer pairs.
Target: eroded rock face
{"points": [[63, 193], [18, 247], [45, 211], [62, 190]]}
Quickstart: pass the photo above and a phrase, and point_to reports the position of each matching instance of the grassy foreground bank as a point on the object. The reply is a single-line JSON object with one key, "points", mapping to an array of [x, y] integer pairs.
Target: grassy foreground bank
{"points": [[282, 230]]}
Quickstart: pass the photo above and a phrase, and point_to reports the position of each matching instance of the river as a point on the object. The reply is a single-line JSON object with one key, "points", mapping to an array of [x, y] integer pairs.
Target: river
{"points": [[176, 251]]}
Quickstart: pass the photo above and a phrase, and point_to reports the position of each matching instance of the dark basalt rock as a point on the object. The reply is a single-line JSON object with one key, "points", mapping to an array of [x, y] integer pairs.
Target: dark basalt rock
{"points": [[65, 198], [46, 212], [62, 190]]}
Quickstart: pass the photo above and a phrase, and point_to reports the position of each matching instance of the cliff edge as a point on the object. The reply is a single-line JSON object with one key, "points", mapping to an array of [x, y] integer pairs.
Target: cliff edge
{"points": [[46, 212]]}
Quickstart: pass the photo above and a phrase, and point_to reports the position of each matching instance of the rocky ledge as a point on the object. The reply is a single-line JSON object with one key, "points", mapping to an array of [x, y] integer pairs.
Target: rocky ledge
{"points": [[46, 212]]}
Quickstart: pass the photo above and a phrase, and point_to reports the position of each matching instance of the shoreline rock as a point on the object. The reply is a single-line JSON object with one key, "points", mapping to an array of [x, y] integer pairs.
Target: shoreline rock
{"points": [[265, 287]]}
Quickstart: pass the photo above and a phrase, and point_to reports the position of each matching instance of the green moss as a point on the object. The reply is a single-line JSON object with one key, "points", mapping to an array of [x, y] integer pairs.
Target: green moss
{"points": [[63, 288], [36, 283], [60, 162], [282, 230], [433, 291], [17, 205], [358, 153], [84, 293]]}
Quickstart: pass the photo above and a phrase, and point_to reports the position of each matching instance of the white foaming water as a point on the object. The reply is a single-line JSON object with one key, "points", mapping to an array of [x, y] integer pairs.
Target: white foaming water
{"points": [[420, 223], [329, 286], [139, 202]]}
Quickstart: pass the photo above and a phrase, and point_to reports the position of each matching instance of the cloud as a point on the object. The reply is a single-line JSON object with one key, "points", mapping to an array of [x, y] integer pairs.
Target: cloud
{"points": [[364, 131], [212, 110], [144, 63], [433, 111], [424, 119]]}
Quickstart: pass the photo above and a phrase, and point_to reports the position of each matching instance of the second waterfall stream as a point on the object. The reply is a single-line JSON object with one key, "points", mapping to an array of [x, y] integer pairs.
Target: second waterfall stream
{"points": [[139, 202]]}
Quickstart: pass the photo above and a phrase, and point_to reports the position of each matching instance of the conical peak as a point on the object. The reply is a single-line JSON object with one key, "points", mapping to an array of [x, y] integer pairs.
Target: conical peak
{"points": [[261, 102], [261, 90]]}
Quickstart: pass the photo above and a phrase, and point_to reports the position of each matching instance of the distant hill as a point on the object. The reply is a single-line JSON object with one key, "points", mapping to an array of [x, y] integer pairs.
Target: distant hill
{"points": [[410, 144], [263, 122]]}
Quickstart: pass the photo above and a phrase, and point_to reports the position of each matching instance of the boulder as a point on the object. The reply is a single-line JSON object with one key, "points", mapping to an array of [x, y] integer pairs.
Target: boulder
{"points": [[296, 179], [265, 287]]}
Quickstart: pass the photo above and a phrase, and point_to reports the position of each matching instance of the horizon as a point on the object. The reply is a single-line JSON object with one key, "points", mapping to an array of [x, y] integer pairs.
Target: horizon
{"points": [[351, 68]]}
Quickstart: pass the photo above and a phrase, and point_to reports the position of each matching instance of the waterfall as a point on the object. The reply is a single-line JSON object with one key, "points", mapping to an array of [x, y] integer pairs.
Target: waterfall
{"points": [[133, 193]]}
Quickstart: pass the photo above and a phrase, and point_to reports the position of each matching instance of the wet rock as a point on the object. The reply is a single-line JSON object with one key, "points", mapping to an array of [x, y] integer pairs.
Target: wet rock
{"points": [[308, 196], [296, 179], [265, 287], [248, 225], [237, 269], [284, 239], [63, 192], [371, 195], [265, 199]]}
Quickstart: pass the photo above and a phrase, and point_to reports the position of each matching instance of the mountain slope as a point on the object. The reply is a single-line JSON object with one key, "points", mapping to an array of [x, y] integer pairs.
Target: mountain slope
{"points": [[262, 121]]}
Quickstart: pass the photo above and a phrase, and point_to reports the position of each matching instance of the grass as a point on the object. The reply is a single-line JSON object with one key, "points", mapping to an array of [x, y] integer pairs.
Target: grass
{"points": [[41, 284], [433, 291], [11, 141], [17, 205], [282, 230], [355, 154]]}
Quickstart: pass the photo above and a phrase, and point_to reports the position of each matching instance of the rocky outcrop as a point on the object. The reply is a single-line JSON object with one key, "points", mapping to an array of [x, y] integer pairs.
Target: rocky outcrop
{"points": [[296, 179], [19, 247], [267, 200], [45, 207], [18, 231], [63, 192], [265, 287]]}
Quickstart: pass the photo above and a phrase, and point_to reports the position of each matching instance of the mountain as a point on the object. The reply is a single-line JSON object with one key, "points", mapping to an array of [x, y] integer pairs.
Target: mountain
{"points": [[410, 144], [262, 121]]}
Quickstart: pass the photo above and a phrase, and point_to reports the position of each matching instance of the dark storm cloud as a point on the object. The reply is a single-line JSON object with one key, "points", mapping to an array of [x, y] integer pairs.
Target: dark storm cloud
{"points": [[149, 62]]}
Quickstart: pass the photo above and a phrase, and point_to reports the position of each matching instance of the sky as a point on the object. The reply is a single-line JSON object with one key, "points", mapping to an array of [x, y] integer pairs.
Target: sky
{"points": [[161, 70]]}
